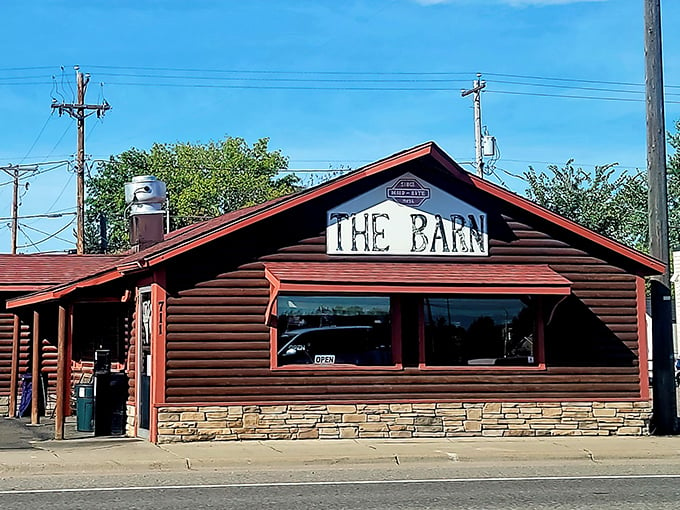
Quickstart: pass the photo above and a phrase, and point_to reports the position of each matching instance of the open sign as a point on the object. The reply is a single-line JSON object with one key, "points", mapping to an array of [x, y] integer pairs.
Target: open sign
{"points": [[324, 359]]}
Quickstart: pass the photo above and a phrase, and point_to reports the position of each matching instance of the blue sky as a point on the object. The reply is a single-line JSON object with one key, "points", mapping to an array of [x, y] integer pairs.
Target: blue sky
{"points": [[331, 83]]}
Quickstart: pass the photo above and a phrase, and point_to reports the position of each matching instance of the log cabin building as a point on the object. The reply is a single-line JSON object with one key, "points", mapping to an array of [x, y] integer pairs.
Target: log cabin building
{"points": [[20, 275], [407, 298]]}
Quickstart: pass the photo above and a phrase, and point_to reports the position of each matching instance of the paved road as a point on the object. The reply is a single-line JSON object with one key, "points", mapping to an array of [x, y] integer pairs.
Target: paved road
{"points": [[526, 486], [534, 493]]}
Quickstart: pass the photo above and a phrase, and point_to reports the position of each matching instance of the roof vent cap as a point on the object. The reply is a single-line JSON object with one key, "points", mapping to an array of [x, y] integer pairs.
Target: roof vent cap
{"points": [[145, 194]]}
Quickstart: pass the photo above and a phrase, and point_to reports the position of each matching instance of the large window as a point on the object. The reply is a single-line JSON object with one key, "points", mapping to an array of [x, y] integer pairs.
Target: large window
{"points": [[462, 331], [334, 330]]}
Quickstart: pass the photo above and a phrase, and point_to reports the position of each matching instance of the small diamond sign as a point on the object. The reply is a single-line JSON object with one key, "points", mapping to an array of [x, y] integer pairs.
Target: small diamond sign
{"points": [[408, 192]]}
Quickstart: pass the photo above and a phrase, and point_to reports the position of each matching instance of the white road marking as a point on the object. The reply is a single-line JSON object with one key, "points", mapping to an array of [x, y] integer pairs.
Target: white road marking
{"points": [[328, 483], [348, 482]]}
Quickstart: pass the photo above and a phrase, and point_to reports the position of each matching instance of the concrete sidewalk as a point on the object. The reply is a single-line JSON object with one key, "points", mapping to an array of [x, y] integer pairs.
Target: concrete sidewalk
{"points": [[131, 455]]}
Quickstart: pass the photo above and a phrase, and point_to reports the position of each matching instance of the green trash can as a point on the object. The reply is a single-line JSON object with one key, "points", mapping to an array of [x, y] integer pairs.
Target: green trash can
{"points": [[85, 407]]}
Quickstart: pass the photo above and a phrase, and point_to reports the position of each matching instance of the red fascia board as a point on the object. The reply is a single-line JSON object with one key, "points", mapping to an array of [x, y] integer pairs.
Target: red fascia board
{"points": [[378, 167], [562, 290], [40, 297], [641, 258]]}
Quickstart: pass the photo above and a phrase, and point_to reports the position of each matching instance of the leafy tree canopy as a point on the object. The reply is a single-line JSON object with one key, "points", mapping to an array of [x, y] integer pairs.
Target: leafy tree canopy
{"points": [[203, 181], [613, 205], [673, 174]]}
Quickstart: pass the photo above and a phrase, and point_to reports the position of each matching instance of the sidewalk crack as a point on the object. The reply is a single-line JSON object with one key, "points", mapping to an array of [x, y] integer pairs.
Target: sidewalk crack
{"points": [[52, 452], [590, 455], [270, 447]]}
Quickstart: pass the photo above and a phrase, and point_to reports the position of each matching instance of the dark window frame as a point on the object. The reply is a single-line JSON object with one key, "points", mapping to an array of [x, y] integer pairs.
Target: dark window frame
{"points": [[539, 339], [397, 340], [395, 316]]}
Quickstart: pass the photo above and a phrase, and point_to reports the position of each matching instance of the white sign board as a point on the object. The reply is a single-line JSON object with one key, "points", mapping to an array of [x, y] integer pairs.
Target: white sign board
{"points": [[406, 216]]}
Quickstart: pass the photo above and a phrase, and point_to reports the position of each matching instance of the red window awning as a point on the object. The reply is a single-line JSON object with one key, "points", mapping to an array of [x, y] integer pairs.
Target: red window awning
{"points": [[412, 277]]}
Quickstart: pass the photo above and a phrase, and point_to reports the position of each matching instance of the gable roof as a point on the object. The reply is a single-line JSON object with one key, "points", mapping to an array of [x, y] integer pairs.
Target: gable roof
{"points": [[193, 236]]}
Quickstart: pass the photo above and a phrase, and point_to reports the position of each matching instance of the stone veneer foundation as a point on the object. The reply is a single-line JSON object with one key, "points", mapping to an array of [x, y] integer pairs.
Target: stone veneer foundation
{"points": [[130, 413], [349, 421], [4, 406]]}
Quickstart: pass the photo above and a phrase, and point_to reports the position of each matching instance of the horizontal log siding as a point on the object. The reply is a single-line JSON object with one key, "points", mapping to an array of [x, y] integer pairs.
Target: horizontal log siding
{"points": [[6, 332], [218, 346]]}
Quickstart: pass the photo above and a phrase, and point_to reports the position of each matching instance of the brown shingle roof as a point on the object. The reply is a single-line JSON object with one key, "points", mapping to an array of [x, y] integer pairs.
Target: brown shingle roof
{"points": [[36, 271]]}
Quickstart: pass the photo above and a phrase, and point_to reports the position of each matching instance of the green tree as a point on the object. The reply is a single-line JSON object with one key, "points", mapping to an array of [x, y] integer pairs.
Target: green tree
{"points": [[203, 181], [613, 205], [673, 175]]}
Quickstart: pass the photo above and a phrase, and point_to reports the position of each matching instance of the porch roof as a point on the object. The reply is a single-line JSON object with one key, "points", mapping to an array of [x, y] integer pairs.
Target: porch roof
{"points": [[32, 272]]}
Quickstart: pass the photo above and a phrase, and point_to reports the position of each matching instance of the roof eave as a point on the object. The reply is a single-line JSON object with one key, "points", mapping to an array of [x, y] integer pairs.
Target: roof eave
{"points": [[651, 264], [56, 293]]}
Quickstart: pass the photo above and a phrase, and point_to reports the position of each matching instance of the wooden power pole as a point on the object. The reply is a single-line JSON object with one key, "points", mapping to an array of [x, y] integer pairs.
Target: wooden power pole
{"points": [[80, 111], [14, 171], [476, 90], [664, 403]]}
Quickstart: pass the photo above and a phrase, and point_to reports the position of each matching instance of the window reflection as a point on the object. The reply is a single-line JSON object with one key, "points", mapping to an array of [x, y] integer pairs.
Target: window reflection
{"points": [[479, 331], [328, 330]]}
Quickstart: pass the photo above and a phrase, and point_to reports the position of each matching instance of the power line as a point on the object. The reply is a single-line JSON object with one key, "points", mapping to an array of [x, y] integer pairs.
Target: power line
{"points": [[42, 130], [63, 189], [68, 128], [32, 244], [601, 98], [574, 87], [54, 235], [281, 87], [320, 80], [279, 71]]}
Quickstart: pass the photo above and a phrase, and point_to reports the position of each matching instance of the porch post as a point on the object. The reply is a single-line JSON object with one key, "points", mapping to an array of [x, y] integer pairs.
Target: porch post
{"points": [[61, 374], [35, 369], [16, 339]]}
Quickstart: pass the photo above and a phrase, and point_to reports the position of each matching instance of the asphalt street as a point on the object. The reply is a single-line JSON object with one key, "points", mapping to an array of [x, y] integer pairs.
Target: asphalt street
{"points": [[538, 492]]}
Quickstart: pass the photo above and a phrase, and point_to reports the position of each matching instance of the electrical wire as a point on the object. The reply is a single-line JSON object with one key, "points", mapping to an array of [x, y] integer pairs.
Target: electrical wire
{"points": [[280, 87], [63, 189], [600, 98], [575, 87], [575, 80], [31, 68], [54, 235], [32, 244], [68, 128], [320, 80], [42, 130], [278, 71], [511, 174]]}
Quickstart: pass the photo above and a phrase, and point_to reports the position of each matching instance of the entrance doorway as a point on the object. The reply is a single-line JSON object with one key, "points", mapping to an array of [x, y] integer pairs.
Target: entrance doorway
{"points": [[143, 365]]}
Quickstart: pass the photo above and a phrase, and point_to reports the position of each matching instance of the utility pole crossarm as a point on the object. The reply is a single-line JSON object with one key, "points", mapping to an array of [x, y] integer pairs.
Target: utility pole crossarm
{"points": [[77, 111], [476, 88]]}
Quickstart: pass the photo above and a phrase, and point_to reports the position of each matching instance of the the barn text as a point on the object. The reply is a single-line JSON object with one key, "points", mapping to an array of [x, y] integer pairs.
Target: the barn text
{"points": [[417, 233]]}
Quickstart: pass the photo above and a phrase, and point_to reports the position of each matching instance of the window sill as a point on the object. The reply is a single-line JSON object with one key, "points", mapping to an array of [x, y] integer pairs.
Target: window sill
{"points": [[541, 367], [337, 368]]}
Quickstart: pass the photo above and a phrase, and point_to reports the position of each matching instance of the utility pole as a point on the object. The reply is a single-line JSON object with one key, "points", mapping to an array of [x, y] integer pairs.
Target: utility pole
{"points": [[14, 171], [78, 111], [664, 403], [476, 89]]}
